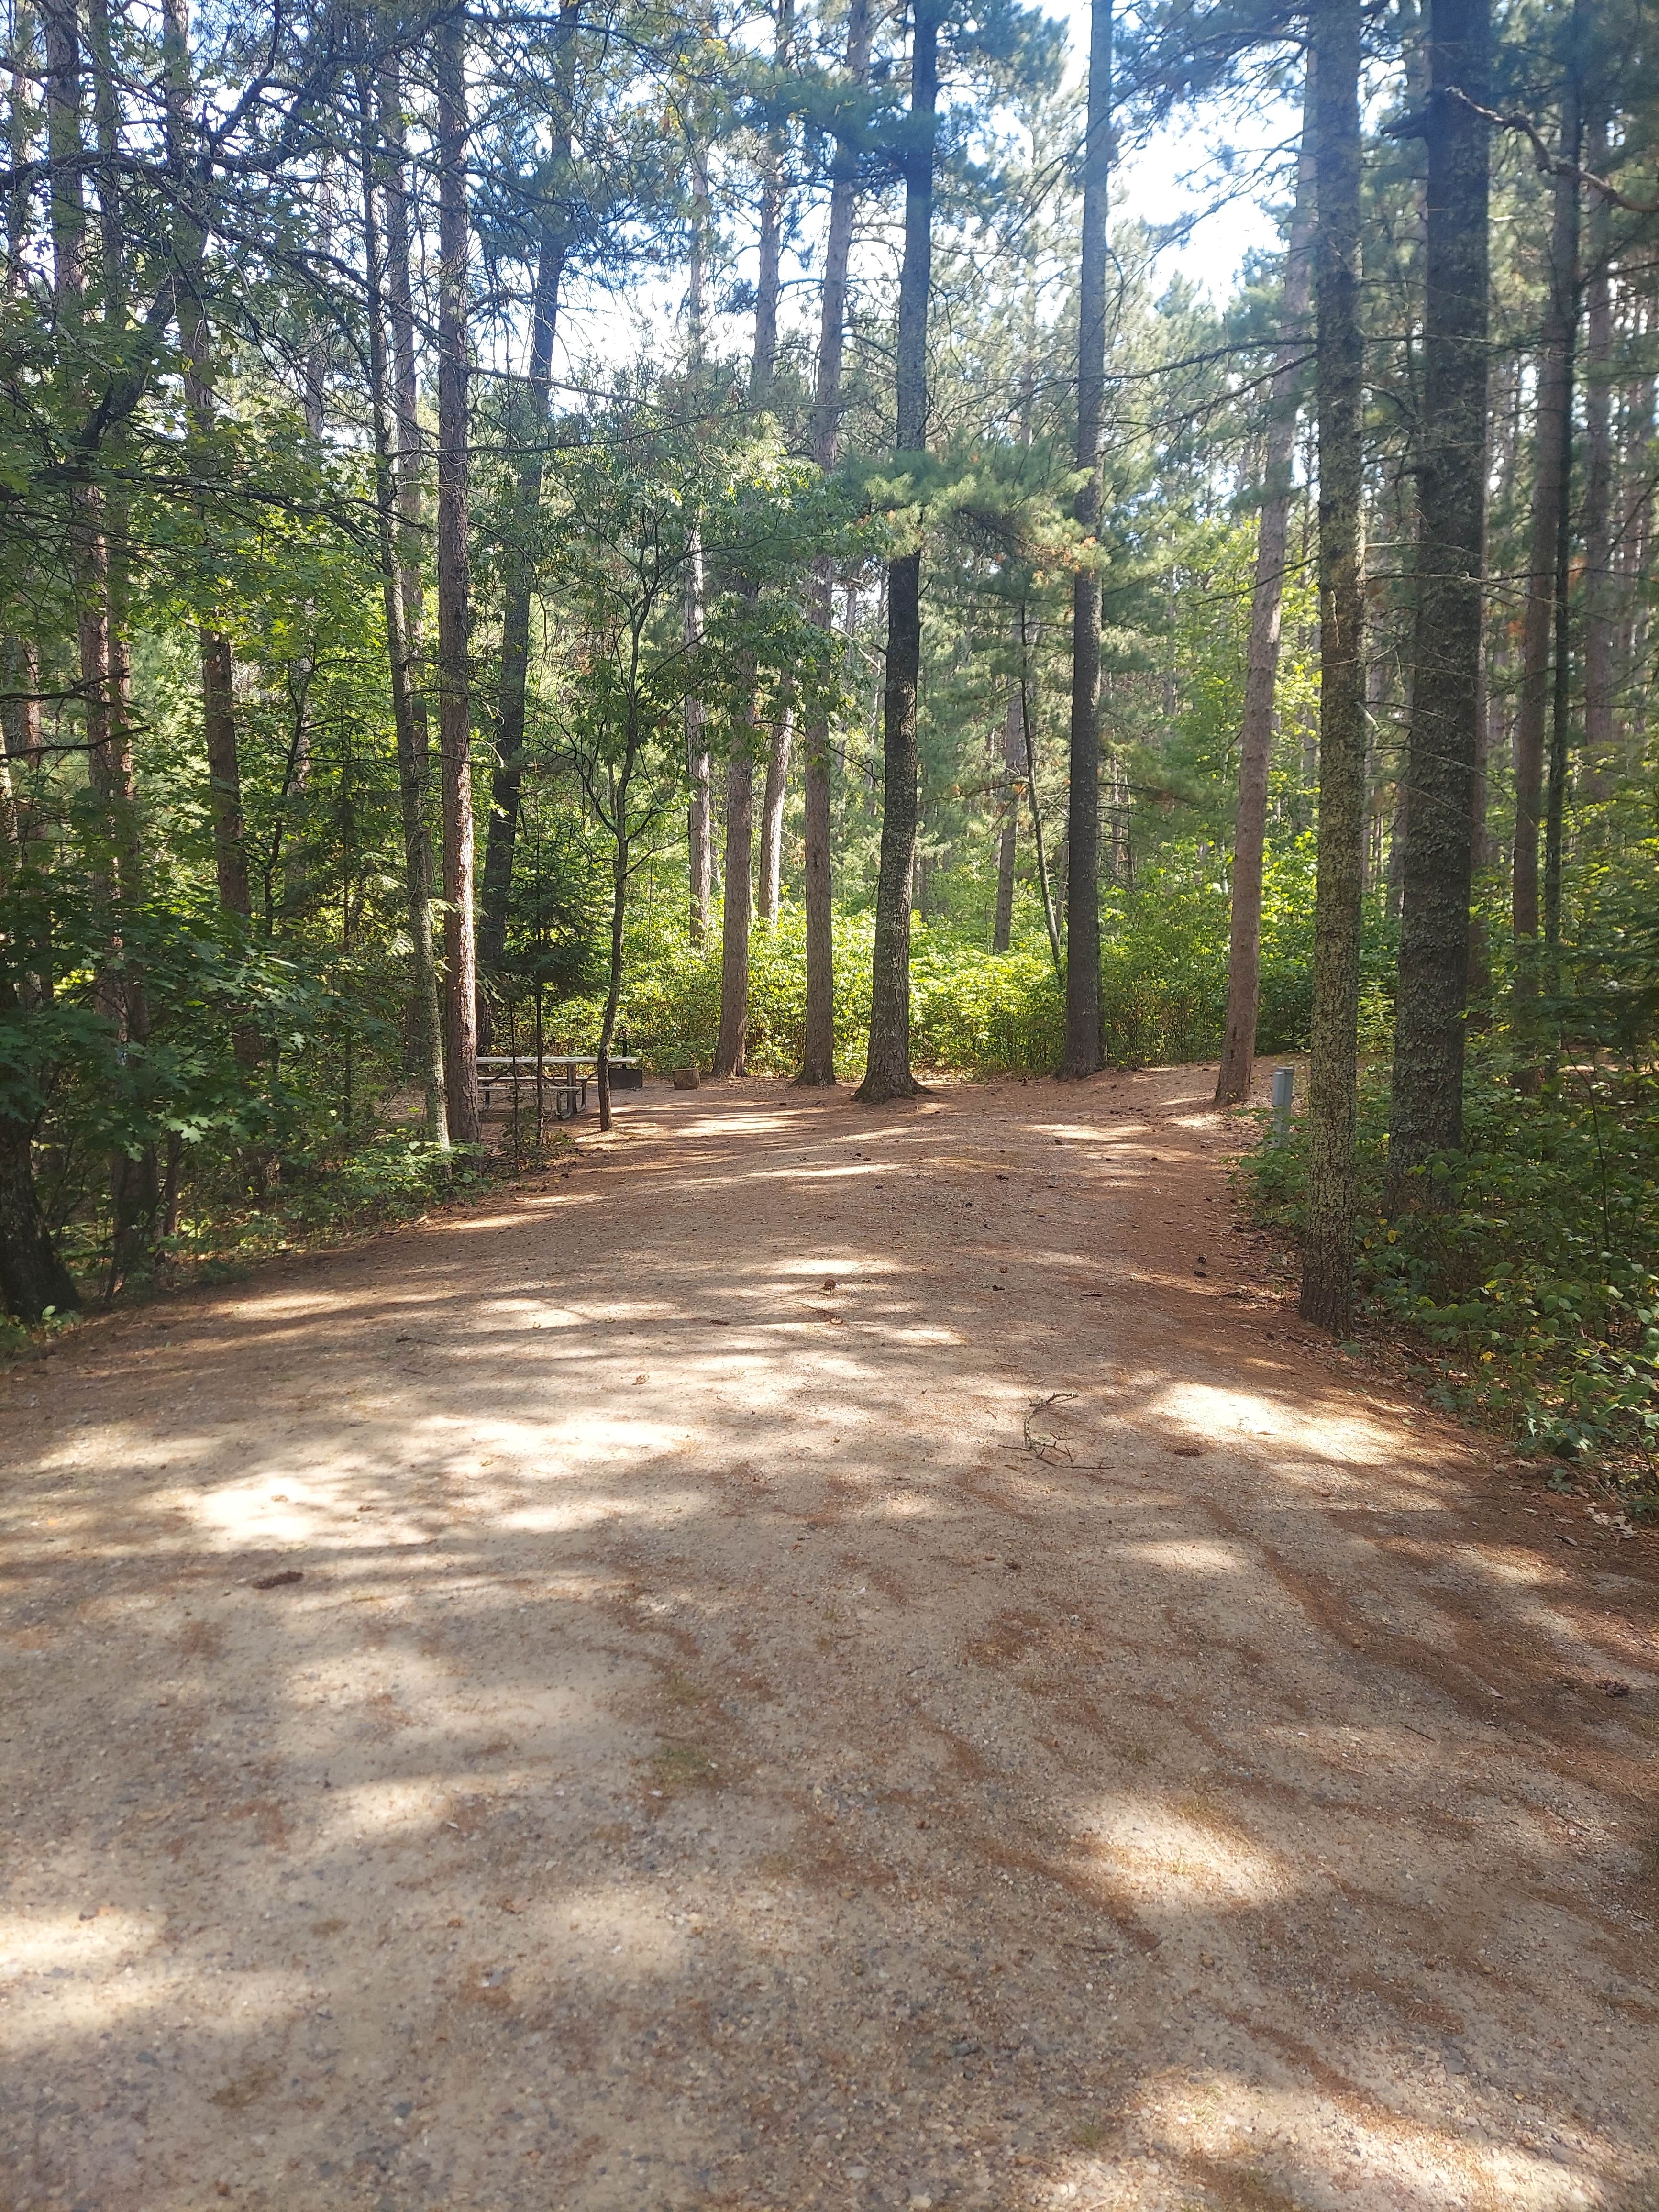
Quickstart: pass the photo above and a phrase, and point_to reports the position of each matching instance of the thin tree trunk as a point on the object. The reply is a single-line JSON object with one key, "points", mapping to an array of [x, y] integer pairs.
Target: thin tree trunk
{"points": [[737, 893], [454, 697], [768, 289], [423, 1020], [1013, 766], [1028, 725], [1328, 1256], [1555, 798], [400, 308], [731, 1049], [195, 337], [316, 364], [1426, 1115], [33, 1280], [818, 1056], [1551, 440], [774, 800], [887, 1070], [700, 812], [1083, 1038], [404, 632], [699, 821], [507, 790], [1237, 1072], [1600, 590], [98, 551], [613, 986]]}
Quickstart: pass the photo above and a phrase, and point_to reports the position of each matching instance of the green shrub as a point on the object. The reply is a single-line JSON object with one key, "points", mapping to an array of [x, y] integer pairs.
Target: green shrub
{"points": [[1537, 1286], [1164, 982]]}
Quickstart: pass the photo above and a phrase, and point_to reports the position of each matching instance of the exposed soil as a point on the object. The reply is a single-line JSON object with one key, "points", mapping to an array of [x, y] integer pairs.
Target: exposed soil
{"points": [[819, 1658]]}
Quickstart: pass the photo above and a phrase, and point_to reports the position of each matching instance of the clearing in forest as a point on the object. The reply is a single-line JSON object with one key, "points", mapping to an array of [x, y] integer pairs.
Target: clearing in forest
{"points": [[813, 1657]]}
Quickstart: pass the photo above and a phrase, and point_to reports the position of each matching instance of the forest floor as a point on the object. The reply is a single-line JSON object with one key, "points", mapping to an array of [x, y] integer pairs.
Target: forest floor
{"points": [[812, 1657]]}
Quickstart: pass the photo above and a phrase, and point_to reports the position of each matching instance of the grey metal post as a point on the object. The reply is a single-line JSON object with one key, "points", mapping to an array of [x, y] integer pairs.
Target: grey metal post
{"points": [[1284, 1092]]}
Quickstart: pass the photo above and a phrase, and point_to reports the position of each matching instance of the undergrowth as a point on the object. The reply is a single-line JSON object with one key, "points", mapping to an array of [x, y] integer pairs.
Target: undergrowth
{"points": [[1532, 1295]]}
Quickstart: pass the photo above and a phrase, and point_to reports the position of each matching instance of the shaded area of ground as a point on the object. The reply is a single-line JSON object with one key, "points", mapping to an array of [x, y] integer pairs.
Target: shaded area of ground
{"points": [[839, 1658]]}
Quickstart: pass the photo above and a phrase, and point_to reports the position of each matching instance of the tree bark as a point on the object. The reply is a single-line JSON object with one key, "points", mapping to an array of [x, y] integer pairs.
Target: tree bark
{"points": [[195, 339], [737, 893], [404, 634], [818, 1054], [98, 568], [731, 1047], [887, 1070], [507, 789], [614, 983], [33, 1280], [1601, 588], [454, 696], [768, 289], [1083, 1054], [1426, 1111], [1238, 1071], [1552, 443], [774, 800], [1327, 1255], [699, 819], [423, 1020], [700, 810], [1013, 767]]}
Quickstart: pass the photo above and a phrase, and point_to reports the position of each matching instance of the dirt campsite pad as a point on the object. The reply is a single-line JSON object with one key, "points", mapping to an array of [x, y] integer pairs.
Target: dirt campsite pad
{"points": [[817, 1657]]}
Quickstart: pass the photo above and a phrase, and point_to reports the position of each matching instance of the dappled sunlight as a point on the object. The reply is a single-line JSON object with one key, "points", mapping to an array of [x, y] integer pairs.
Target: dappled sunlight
{"points": [[1220, 1415], [836, 1722], [1196, 1558], [1171, 1855]]}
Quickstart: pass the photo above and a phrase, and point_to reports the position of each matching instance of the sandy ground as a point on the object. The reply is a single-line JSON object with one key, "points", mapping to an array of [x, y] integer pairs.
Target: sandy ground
{"points": [[629, 1697]]}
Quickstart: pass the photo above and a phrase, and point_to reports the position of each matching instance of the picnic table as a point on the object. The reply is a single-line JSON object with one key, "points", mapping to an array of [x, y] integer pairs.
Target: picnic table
{"points": [[565, 1076]]}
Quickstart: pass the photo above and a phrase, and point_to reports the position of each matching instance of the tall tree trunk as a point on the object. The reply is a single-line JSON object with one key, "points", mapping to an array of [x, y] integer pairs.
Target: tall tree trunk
{"points": [[1601, 588], [1327, 1255], [1237, 1072], [423, 1024], [404, 634], [507, 789], [33, 1280], [454, 695], [1026, 639], [195, 339], [699, 821], [700, 810], [97, 553], [774, 800], [731, 1048], [818, 1054], [1426, 1111], [1555, 796], [887, 1069], [1553, 447], [1083, 1039], [400, 308], [768, 289], [1013, 774], [620, 864]]}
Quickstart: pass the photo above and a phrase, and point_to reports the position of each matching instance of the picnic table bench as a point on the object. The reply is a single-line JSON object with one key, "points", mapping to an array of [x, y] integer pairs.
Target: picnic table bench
{"points": [[565, 1076]]}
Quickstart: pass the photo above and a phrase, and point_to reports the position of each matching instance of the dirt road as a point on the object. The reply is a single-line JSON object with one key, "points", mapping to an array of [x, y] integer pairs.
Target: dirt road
{"points": [[643, 1695]]}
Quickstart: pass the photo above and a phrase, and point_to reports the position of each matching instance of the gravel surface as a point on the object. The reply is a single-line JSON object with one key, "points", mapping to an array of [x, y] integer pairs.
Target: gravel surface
{"points": [[811, 1657]]}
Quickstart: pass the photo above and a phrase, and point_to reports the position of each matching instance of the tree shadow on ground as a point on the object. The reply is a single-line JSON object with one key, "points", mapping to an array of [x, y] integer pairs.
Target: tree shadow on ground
{"points": [[808, 1661]]}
